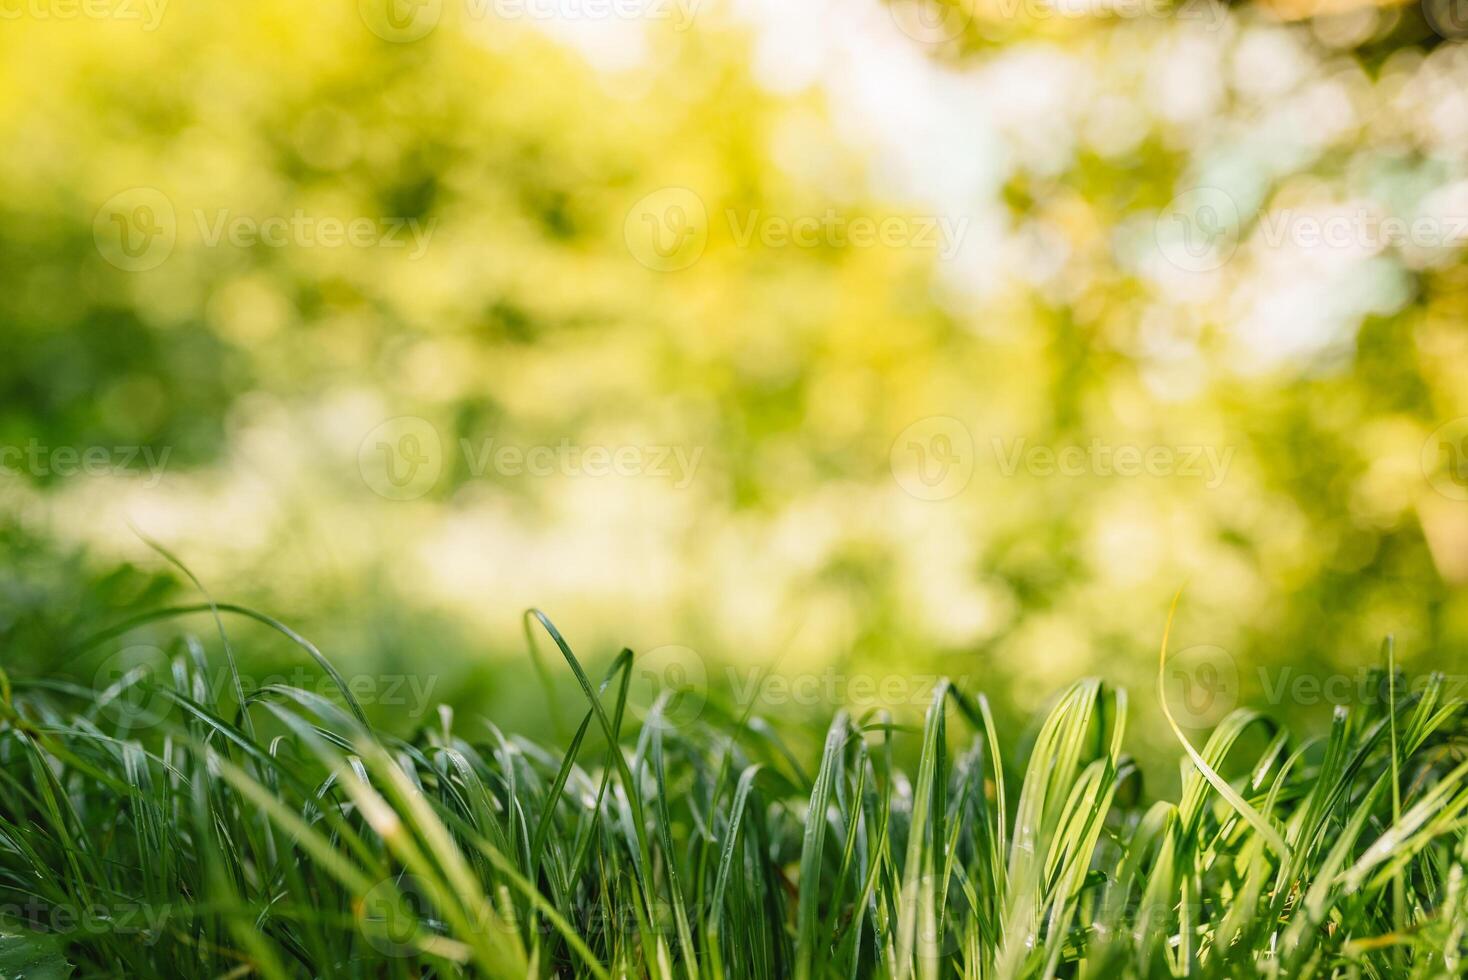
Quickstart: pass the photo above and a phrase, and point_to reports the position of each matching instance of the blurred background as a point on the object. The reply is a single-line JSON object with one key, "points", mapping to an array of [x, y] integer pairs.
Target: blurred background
{"points": [[859, 341]]}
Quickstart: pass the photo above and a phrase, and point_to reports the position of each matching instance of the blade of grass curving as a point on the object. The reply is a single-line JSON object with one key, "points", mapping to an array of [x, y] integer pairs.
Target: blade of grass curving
{"points": [[665, 838], [631, 788], [172, 612], [923, 836], [1255, 819], [808, 939]]}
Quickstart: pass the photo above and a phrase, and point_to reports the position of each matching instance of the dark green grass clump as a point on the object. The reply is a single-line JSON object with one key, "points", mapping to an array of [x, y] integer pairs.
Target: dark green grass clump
{"points": [[272, 832]]}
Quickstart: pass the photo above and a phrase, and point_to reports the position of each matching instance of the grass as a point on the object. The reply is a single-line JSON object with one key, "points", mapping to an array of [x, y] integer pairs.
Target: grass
{"points": [[272, 832]]}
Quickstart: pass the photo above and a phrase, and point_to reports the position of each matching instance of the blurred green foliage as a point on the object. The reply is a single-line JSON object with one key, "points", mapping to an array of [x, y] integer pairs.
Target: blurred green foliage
{"points": [[525, 300]]}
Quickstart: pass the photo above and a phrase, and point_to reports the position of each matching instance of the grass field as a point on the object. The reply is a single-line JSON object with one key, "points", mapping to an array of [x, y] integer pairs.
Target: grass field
{"points": [[274, 833]]}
